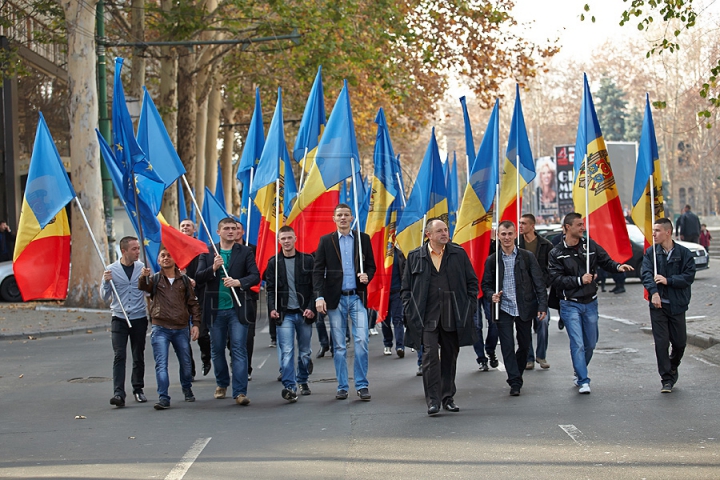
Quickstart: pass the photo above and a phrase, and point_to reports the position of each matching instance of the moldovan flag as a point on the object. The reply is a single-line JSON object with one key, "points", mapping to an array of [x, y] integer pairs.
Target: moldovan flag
{"points": [[604, 221], [312, 214], [515, 177], [428, 199], [647, 170], [311, 125], [41, 261], [380, 225], [274, 165], [181, 247], [474, 226]]}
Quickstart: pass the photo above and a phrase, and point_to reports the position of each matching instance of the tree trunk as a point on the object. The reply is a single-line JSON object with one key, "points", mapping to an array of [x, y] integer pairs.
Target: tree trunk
{"points": [[200, 133], [187, 115], [86, 272], [137, 63], [213, 128], [229, 183]]}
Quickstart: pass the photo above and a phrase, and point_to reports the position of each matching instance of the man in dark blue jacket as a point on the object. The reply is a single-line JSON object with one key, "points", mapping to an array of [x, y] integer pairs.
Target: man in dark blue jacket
{"points": [[667, 278]]}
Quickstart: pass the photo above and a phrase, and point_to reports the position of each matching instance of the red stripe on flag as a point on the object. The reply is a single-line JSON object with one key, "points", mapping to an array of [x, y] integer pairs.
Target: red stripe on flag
{"points": [[510, 212], [181, 247], [379, 289], [604, 222], [43, 268], [315, 221], [478, 249], [266, 245]]}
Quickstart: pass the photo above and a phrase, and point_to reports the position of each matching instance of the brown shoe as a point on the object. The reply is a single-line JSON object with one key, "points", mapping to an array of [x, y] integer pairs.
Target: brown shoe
{"points": [[220, 392], [242, 400], [529, 365], [543, 363]]}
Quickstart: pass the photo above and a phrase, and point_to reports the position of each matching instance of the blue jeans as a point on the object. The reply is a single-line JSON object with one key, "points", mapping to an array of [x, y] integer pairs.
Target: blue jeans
{"points": [[350, 306], [490, 344], [322, 331], [581, 322], [226, 325], [160, 339], [294, 325], [542, 339], [394, 321]]}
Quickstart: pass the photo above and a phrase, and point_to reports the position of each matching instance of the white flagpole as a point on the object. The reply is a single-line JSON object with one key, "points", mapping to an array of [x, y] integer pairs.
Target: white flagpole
{"points": [[587, 216], [102, 258], [207, 231], [424, 224], [467, 165], [517, 195], [400, 190], [355, 200], [497, 249], [249, 207], [652, 218], [302, 169], [277, 227]]}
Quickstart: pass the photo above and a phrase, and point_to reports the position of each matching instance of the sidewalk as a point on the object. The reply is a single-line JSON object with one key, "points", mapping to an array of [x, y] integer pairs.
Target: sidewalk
{"points": [[41, 319]]}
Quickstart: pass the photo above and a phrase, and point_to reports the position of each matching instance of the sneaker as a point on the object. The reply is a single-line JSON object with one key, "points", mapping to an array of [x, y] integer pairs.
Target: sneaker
{"points": [[206, 369], [288, 394], [514, 391], [140, 397], [249, 377], [400, 352], [575, 380], [419, 371], [584, 388], [273, 344], [162, 404], [530, 366], [373, 331], [220, 392], [118, 401], [493, 360], [341, 394], [364, 394], [387, 351], [666, 387], [279, 378], [561, 324], [483, 366], [543, 363], [304, 389], [242, 400], [189, 397]]}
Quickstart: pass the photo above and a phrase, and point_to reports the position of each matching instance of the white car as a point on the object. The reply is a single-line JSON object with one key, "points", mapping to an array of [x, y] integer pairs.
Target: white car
{"points": [[9, 290]]}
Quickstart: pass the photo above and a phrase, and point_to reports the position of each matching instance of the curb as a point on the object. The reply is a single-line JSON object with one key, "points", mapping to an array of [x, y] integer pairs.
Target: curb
{"points": [[693, 338], [54, 333]]}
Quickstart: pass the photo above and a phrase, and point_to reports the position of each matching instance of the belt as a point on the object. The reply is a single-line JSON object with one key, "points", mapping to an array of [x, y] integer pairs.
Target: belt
{"points": [[583, 300], [349, 292], [294, 310]]}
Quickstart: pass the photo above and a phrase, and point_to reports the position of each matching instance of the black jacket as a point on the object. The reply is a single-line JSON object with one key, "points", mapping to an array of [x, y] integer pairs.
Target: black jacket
{"points": [[688, 224], [541, 255], [303, 284], [462, 281], [328, 273], [567, 264], [679, 271], [531, 296], [240, 267]]}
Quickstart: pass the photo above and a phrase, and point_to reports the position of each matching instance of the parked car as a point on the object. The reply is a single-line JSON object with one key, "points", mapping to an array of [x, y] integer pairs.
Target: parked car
{"points": [[637, 240], [9, 290]]}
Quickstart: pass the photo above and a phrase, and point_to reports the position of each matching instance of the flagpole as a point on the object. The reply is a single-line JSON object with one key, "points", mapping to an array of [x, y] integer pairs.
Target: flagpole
{"points": [[517, 193], [139, 220], [467, 171], [652, 218], [497, 229], [207, 231], [422, 236], [102, 258], [249, 206], [355, 201], [587, 217], [400, 190], [302, 169], [277, 227]]}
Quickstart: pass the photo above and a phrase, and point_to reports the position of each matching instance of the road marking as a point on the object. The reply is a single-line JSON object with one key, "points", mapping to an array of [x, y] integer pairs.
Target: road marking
{"points": [[501, 366], [696, 317], [266, 329], [263, 362], [574, 433], [179, 471], [702, 360], [621, 320]]}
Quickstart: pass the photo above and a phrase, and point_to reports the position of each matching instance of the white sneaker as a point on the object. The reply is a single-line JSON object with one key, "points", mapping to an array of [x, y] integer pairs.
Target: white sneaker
{"points": [[387, 351], [373, 331], [584, 388], [575, 380]]}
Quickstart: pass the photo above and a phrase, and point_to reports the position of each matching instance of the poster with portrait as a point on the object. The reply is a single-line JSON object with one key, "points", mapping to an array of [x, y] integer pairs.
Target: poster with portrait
{"points": [[546, 190], [564, 161]]}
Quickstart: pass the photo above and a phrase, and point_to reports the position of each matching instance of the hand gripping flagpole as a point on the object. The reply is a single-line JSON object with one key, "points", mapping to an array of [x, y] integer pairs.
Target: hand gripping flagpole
{"points": [[102, 258], [355, 201], [652, 218], [587, 216], [207, 231]]}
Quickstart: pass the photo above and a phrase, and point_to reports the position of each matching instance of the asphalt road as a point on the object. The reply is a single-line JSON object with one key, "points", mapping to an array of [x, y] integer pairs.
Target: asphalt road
{"points": [[625, 429]]}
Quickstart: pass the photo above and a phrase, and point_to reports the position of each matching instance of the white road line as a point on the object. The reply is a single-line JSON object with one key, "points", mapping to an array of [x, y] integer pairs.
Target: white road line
{"points": [[696, 317], [621, 320], [702, 360], [573, 432], [179, 471], [263, 362], [266, 329]]}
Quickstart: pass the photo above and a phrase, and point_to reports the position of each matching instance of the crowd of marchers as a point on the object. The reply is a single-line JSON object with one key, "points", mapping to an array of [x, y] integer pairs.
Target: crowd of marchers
{"points": [[435, 305]]}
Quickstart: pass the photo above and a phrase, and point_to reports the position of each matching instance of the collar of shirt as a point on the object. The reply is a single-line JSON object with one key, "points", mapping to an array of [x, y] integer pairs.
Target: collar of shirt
{"points": [[349, 234], [432, 252], [514, 252]]}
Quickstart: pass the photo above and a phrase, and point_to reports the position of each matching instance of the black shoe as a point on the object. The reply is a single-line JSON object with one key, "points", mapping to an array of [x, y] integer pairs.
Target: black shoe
{"points": [[310, 366], [493, 360], [364, 394], [483, 365], [433, 409], [118, 401], [279, 379], [206, 369], [341, 395], [189, 397], [162, 404], [400, 352], [514, 391], [249, 377], [419, 371], [619, 290], [561, 324], [614, 289], [290, 395], [304, 389], [451, 407], [322, 352], [666, 387], [139, 397]]}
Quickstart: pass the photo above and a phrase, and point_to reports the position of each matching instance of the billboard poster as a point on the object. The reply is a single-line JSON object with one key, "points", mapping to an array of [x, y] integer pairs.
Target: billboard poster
{"points": [[564, 158], [546, 189]]}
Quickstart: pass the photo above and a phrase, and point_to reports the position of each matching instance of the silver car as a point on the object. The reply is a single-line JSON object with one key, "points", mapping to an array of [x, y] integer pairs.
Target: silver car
{"points": [[9, 290]]}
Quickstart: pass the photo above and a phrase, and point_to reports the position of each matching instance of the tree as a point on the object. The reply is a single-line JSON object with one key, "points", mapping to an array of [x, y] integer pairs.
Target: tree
{"points": [[610, 106]]}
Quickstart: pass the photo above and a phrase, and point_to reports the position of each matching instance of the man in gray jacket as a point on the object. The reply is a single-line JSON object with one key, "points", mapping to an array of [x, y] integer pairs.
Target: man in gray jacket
{"points": [[125, 273]]}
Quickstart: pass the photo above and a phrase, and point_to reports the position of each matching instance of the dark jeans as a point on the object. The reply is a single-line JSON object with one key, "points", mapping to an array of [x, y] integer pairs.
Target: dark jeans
{"points": [[668, 330], [322, 331], [490, 344], [120, 334], [273, 328], [394, 320], [439, 370], [515, 360], [372, 317]]}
